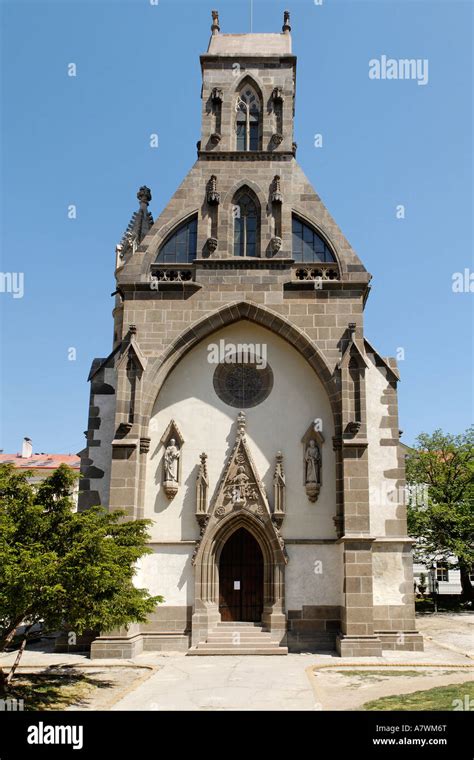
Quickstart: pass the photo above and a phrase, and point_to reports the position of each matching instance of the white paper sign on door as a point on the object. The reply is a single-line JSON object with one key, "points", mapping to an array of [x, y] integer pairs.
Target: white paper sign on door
{"points": [[236, 585]]}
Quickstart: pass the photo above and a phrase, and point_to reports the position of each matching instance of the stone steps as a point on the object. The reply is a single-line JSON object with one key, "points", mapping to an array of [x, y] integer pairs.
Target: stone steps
{"points": [[201, 650], [238, 639]]}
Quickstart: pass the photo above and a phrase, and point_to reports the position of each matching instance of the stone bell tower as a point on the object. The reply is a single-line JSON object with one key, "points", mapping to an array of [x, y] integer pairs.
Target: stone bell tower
{"points": [[296, 457]]}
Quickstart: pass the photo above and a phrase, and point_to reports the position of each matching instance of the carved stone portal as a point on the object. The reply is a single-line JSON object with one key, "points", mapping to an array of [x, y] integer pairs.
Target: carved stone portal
{"points": [[240, 488]]}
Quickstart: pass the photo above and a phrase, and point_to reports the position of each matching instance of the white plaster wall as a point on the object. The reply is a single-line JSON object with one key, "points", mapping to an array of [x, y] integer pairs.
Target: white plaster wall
{"points": [[168, 571], [207, 424], [383, 498], [389, 575], [313, 575]]}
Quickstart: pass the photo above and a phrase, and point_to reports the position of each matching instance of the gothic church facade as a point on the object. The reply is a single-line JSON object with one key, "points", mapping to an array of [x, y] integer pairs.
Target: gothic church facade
{"points": [[242, 410]]}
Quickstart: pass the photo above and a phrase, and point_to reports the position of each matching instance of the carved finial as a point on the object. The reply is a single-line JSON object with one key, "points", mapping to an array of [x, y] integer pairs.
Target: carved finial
{"points": [[241, 423], [352, 328], [144, 195], [202, 488], [133, 329], [286, 22], [140, 223], [215, 28], [277, 197], [279, 491], [213, 197]]}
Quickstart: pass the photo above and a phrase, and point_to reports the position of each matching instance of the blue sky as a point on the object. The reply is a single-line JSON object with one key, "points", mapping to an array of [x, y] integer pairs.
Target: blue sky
{"points": [[84, 140]]}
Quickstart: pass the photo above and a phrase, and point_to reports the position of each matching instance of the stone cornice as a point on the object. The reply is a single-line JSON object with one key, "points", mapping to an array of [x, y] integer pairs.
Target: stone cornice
{"points": [[276, 58], [306, 285], [233, 262], [235, 155]]}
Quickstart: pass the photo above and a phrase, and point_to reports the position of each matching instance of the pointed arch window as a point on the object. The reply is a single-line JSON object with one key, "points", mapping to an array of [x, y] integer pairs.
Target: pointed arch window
{"points": [[246, 211], [308, 245], [248, 119], [181, 246]]}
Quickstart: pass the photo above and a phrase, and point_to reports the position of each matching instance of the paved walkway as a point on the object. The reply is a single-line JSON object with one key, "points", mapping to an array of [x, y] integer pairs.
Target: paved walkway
{"points": [[224, 683]]}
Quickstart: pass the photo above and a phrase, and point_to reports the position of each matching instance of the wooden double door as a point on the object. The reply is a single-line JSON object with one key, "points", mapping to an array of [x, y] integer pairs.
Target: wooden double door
{"points": [[241, 579]]}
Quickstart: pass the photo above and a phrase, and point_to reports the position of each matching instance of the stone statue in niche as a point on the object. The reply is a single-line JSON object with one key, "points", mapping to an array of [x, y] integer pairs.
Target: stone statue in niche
{"points": [[313, 463], [171, 468], [171, 461], [312, 459]]}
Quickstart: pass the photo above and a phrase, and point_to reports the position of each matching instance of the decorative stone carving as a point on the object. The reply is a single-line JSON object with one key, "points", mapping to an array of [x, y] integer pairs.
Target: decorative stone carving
{"points": [[217, 95], [172, 463], [312, 470], [354, 427], [276, 243], [139, 225], [279, 491], [202, 490], [312, 462], [320, 272], [240, 487], [286, 22], [216, 138], [276, 196], [240, 490], [145, 445], [277, 138], [170, 469], [211, 244], [277, 95], [202, 529], [281, 540], [213, 197], [144, 194], [215, 28]]}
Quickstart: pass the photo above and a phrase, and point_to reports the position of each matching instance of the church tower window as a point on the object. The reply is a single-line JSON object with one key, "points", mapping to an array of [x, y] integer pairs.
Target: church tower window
{"points": [[246, 224], [181, 246], [248, 119], [308, 246]]}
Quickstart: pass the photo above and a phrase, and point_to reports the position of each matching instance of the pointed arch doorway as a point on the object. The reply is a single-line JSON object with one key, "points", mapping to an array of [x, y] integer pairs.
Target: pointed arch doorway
{"points": [[241, 577]]}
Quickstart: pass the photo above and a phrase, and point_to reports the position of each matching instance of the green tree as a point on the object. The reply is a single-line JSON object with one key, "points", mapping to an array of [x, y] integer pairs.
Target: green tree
{"points": [[441, 469], [63, 568]]}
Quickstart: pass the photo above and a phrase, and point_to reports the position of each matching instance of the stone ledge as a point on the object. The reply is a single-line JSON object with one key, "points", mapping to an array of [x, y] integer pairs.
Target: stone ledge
{"points": [[358, 646], [412, 641]]}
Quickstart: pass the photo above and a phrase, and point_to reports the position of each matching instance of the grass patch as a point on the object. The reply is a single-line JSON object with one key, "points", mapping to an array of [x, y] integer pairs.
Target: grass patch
{"points": [[440, 698], [54, 689]]}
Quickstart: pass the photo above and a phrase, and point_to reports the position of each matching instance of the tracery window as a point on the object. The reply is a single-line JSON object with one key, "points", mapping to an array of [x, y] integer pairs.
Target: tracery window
{"points": [[248, 119], [181, 246], [308, 246], [246, 225]]}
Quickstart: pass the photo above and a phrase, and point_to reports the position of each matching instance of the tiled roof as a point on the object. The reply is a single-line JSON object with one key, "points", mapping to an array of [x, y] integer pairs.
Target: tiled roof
{"points": [[41, 461]]}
